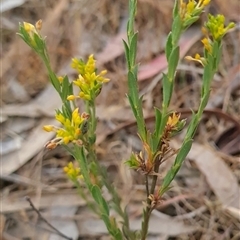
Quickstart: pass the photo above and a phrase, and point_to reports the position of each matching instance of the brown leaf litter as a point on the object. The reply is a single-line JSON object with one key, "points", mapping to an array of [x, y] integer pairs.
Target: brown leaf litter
{"points": [[204, 200]]}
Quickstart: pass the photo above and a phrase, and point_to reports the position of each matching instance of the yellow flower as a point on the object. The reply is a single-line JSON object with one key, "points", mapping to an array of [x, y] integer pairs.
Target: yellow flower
{"points": [[71, 97], [191, 6], [173, 120], [78, 65], [48, 128], [197, 58], [72, 172], [203, 3], [216, 26], [60, 79], [191, 9], [207, 44], [70, 130], [89, 82], [29, 28], [90, 65], [206, 2], [31, 35]]}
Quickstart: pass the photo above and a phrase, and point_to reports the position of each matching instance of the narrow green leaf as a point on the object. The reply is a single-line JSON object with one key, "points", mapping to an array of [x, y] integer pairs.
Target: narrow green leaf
{"points": [[140, 119], [155, 138], [168, 48], [118, 235], [204, 100], [133, 87], [107, 222], [70, 88], [127, 53], [207, 77], [176, 29], [167, 90], [80, 156], [65, 88], [65, 112], [192, 126], [39, 42], [24, 34], [218, 55], [173, 62], [183, 152], [55, 82], [190, 21], [96, 193], [104, 205], [133, 48], [158, 118], [175, 9], [135, 72], [133, 107]]}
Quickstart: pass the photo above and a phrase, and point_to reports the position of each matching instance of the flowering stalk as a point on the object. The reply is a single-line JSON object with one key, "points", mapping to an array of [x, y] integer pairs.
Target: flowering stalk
{"points": [[214, 30], [156, 147], [78, 130]]}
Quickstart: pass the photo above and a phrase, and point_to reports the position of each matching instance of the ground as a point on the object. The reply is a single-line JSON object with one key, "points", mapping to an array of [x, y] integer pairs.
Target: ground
{"points": [[203, 202]]}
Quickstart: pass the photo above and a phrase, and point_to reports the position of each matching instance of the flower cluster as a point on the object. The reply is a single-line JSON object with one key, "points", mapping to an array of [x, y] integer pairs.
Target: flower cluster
{"points": [[145, 161], [31, 35], [173, 126], [72, 172], [213, 31], [31, 29], [191, 9], [216, 26], [89, 82], [71, 130]]}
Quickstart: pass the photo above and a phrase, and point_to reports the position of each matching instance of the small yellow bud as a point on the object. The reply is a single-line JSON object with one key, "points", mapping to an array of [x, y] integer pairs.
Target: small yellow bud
{"points": [[59, 117], [197, 58], [72, 171], [48, 128], [65, 169], [60, 79], [32, 33], [66, 140], [84, 96], [206, 2], [77, 131], [71, 97], [190, 6], [29, 27], [207, 44], [173, 120], [103, 72]]}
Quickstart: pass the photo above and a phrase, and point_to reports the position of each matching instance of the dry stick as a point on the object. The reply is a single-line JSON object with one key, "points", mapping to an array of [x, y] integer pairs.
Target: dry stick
{"points": [[41, 217]]}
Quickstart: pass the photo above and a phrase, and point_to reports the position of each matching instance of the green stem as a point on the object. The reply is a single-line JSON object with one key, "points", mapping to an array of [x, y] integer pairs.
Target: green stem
{"points": [[81, 193], [90, 108]]}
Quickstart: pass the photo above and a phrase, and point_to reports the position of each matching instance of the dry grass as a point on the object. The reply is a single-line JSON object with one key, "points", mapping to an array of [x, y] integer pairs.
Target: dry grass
{"points": [[79, 28]]}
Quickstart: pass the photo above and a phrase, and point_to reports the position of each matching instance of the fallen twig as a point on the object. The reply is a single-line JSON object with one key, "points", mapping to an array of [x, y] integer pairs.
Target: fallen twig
{"points": [[42, 218]]}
